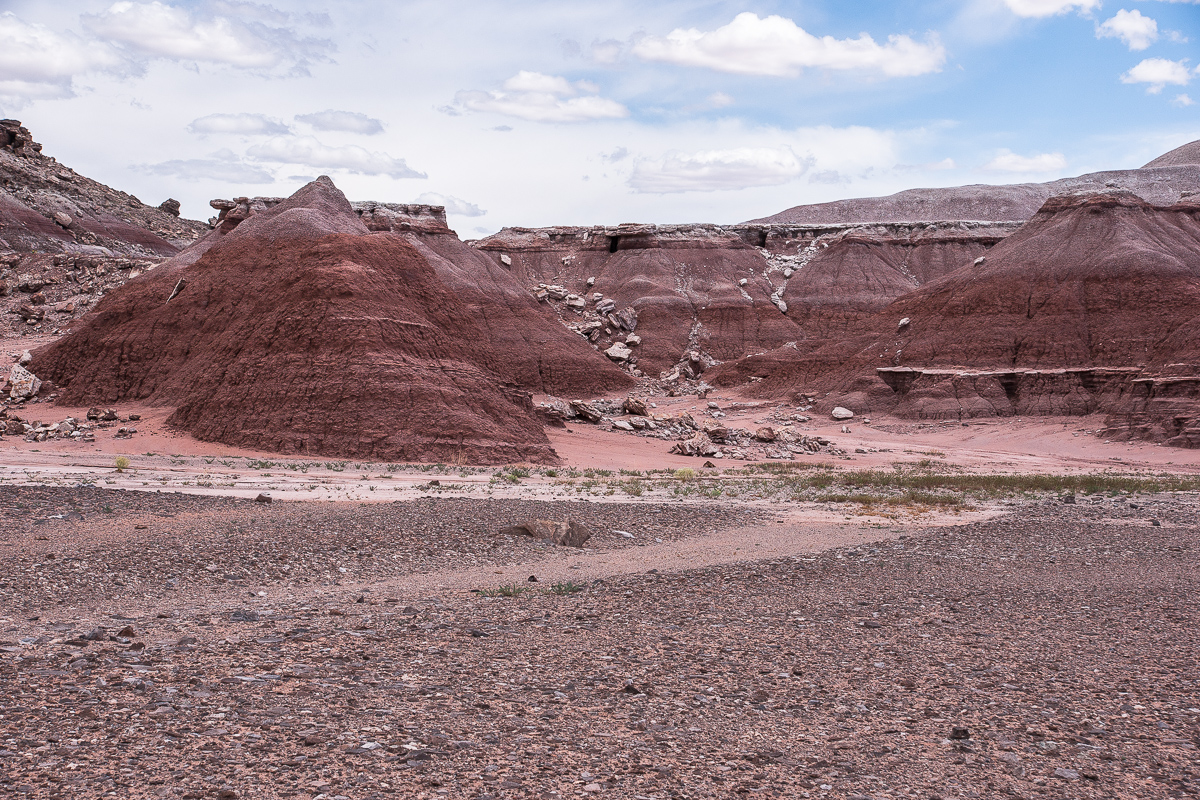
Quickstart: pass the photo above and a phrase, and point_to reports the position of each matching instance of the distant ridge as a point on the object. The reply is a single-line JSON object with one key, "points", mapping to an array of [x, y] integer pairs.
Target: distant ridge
{"points": [[1164, 181], [1181, 156]]}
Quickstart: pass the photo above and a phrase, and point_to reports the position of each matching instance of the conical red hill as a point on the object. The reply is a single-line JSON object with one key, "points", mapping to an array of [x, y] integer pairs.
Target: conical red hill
{"points": [[1091, 280], [301, 332], [1088, 307]]}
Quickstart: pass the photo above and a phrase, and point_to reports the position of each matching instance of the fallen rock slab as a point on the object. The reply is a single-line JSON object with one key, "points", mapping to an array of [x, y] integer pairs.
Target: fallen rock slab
{"points": [[568, 534]]}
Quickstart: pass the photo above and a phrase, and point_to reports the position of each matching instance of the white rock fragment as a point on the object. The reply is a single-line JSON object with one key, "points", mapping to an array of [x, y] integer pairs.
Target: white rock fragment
{"points": [[842, 413], [23, 383], [618, 352]]}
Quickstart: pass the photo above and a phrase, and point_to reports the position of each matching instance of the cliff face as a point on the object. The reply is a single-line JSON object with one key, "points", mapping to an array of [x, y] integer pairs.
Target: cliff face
{"points": [[706, 294], [47, 207]]}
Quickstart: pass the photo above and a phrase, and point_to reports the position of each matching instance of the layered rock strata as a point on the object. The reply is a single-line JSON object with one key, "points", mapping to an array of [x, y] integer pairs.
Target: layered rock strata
{"points": [[301, 331]]}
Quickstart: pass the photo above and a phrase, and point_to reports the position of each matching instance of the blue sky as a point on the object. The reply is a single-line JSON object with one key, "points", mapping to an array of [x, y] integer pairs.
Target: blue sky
{"points": [[539, 113]]}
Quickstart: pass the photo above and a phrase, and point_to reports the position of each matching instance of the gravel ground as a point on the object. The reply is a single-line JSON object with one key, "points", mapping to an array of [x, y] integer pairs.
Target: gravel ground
{"points": [[1049, 653], [91, 545]]}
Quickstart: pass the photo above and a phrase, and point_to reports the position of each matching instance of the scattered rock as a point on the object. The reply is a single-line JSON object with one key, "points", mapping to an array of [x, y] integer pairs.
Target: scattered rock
{"points": [[842, 413]]}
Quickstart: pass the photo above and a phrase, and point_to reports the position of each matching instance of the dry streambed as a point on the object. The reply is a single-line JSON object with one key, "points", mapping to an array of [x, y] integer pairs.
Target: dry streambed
{"points": [[1049, 653]]}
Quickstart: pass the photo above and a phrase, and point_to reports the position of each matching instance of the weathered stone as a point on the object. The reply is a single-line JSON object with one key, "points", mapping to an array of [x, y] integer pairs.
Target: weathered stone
{"points": [[842, 413], [568, 534], [765, 434], [698, 445], [618, 352], [586, 411], [23, 383], [636, 406], [171, 206]]}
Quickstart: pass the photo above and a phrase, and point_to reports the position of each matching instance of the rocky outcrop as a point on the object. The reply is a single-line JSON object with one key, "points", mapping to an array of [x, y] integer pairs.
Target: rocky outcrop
{"points": [[47, 207], [76, 237], [300, 331]]}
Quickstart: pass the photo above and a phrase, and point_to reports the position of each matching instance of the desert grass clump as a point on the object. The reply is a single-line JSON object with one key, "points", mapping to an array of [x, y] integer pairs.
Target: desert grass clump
{"points": [[121, 463], [508, 590], [685, 474]]}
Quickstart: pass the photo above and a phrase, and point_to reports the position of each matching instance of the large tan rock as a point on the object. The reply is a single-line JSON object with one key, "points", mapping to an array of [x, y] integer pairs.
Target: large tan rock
{"points": [[568, 534], [23, 383]]}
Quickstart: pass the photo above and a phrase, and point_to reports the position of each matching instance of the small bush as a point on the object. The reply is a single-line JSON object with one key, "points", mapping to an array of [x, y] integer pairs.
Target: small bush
{"points": [[122, 463], [510, 590], [685, 474], [565, 587]]}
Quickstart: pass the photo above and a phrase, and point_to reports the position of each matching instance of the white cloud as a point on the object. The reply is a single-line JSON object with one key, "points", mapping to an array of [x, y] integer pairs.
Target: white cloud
{"points": [[244, 124], [1048, 8], [37, 62], [163, 31], [1008, 161], [542, 98], [1136, 31], [309, 152], [1158, 72], [606, 52], [718, 100], [348, 121], [710, 170], [222, 166], [778, 47], [1183, 100], [454, 205]]}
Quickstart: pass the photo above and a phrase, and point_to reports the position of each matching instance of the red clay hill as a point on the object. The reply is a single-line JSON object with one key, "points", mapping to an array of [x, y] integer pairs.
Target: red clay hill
{"points": [[1094, 305], [299, 330]]}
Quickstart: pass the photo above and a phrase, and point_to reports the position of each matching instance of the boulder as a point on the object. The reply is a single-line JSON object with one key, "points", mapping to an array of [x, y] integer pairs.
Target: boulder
{"points": [[568, 534], [171, 206], [766, 434], [586, 411], [842, 413], [636, 406], [23, 383], [618, 352], [698, 445]]}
